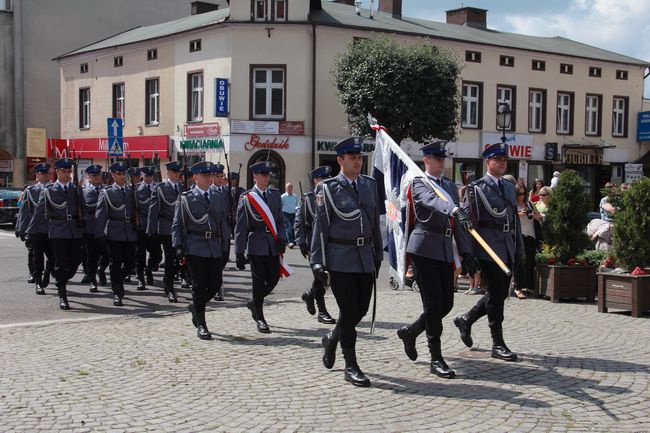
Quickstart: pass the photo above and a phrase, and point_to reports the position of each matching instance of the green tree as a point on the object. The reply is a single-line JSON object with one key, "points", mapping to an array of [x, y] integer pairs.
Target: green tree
{"points": [[632, 226], [410, 87], [566, 218]]}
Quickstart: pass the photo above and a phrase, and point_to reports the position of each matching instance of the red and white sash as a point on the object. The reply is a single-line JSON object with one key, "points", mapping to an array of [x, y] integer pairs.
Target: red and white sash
{"points": [[263, 210]]}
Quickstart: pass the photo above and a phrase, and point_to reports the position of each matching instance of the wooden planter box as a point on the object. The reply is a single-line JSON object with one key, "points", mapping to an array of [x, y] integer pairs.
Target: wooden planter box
{"points": [[559, 281], [624, 292]]}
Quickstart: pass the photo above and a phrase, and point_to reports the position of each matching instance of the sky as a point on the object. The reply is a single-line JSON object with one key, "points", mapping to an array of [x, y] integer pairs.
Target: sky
{"points": [[622, 26]]}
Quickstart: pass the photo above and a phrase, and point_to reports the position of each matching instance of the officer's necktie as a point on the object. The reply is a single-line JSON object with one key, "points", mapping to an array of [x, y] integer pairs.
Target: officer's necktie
{"points": [[437, 181], [149, 188], [176, 188], [500, 183], [65, 189], [354, 187], [97, 189], [122, 189], [207, 197], [264, 195]]}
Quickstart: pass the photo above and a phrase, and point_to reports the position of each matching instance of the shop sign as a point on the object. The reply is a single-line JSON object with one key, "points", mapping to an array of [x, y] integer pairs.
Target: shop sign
{"points": [[254, 142], [643, 127], [6, 165], [583, 156], [284, 127], [203, 145], [152, 146], [202, 130], [520, 146], [328, 146], [221, 98]]}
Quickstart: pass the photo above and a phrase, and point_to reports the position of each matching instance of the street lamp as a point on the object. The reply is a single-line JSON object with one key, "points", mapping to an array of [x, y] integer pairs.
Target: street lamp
{"points": [[504, 117]]}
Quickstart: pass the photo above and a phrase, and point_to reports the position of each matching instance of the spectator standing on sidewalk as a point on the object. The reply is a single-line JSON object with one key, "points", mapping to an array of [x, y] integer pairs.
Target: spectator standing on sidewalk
{"points": [[555, 179], [289, 204], [529, 218]]}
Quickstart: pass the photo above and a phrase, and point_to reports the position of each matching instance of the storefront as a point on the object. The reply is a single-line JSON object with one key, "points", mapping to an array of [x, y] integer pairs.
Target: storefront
{"points": [[6, 172], [587, 161], [201, 141]]}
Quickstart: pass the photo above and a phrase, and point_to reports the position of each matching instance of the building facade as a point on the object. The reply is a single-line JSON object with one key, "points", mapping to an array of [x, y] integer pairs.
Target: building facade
{"points": [[253, 81]]}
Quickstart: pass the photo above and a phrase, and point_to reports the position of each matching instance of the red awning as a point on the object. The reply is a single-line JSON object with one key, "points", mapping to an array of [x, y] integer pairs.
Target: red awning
{"points": [[136, 147]]}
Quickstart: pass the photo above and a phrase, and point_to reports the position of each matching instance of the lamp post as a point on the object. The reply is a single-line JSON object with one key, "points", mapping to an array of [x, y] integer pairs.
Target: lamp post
{"points": [[504, 117]]}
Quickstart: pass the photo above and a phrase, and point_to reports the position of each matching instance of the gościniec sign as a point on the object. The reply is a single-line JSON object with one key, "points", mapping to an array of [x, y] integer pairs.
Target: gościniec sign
{"points": [[643, 128], [221, 97]]}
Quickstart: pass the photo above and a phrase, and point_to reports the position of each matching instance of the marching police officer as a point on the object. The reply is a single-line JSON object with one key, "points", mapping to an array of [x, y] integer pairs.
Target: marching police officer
{"points": [[201, 235], [254, 236], [303, 225], [431, 252], [235, 191], [94, 248], [347, 243], [37, 244], [61, 206], [161, 215], [492, 205], [145, 244], [114, 222], [219, 184]]}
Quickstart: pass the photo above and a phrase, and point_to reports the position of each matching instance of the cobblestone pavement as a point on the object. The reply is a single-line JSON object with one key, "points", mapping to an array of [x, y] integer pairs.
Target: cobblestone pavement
{"points": [[581, 371]]}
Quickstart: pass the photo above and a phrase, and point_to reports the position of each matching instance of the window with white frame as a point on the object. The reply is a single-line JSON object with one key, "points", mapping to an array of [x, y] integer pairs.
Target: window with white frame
{"points": [[259, 10], [505, 95], [153, 102], [564, 115], [280, 10], [84, 108], [118, 100], [195, 102], [470, 106], [536, 111], [268, 93], [5, 5], [592, 115], [619, 116]]}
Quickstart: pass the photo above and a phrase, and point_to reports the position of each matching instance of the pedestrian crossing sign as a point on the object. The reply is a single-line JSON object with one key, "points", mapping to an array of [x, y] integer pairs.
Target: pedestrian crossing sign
{"points": [[115, 148]]}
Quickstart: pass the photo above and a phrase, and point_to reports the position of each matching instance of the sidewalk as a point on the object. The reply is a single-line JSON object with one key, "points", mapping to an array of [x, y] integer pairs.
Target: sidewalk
{"points": [[581, 371]]}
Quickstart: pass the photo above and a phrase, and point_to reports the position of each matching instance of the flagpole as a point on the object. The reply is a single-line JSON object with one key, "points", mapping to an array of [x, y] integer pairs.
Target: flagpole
{"points": [[411, 165]]}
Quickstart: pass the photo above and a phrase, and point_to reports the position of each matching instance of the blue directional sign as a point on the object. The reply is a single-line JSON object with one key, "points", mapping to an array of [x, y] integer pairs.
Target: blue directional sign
{"points": [[221, 97], [115, 142], [643, 128]]}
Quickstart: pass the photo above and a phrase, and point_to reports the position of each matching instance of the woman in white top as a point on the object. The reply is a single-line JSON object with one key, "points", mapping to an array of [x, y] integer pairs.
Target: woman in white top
{"points": [[528, 217]]}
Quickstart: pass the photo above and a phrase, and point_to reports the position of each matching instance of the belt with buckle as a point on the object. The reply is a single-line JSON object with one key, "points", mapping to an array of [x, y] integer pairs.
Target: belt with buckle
{"points": [[123, 219], [445, 231], [357, 242], [63, 218], [204, 234], [496, 226]]}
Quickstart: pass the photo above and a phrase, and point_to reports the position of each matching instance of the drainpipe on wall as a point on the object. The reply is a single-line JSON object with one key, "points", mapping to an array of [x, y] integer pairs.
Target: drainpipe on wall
{"points": [[19, 97], [313, 96]]}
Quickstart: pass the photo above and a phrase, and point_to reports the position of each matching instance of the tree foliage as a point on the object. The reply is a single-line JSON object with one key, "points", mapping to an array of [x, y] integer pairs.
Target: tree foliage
{"points": [[410, 87], [632, 226], [566, 218]]}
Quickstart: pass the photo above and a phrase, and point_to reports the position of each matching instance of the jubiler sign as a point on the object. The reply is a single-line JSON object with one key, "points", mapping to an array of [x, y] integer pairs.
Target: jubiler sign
{"points": [[583, 156]]}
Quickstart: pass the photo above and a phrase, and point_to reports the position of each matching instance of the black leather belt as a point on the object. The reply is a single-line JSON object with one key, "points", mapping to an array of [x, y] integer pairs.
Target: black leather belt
{"points": [[58, 218], [445, 231], [206, 235], [496, 226], [124, 219], [266, 230], [357, 242]]}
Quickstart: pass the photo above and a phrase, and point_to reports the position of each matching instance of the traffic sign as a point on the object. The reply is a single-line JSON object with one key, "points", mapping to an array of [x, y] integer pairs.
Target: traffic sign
{"points": [[115, 142]]}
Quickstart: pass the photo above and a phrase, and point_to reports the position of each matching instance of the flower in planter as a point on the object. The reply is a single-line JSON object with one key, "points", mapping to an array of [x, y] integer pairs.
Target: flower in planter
{"points": [[583, 262], [609, 262], [639, 271], [552, 260], [571, 262]]}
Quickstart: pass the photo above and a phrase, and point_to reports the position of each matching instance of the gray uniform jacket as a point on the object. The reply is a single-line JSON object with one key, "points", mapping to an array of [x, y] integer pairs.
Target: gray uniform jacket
{"points": [[305, 213], [113, 215], [59, 208], [432, 230], [143, 195], [161, 208], [29, 200], [251, 233], [495, 218], [225, 193], [201, 228], [340, 215], [92, 196]]}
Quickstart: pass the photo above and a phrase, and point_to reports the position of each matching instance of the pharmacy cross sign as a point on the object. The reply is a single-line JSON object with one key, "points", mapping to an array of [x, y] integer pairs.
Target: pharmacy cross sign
{"points": [[115, 142]]}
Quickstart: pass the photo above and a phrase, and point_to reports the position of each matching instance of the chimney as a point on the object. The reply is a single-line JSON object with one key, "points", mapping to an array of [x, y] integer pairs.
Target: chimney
{"points": [[392, 7], [200, 7], [471, 17]]}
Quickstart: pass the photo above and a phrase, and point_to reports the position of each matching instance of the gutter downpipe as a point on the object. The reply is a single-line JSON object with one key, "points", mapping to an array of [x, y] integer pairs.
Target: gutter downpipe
{"points": [[313, 96]]}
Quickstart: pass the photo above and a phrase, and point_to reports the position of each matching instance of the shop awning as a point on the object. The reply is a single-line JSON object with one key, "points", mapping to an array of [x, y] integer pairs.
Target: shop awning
{"points": [[136, 147]]}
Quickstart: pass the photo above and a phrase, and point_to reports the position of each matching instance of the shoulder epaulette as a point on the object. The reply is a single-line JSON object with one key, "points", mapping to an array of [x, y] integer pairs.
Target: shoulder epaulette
{"points": [[365, 176], [329, 180], [187, 192]]}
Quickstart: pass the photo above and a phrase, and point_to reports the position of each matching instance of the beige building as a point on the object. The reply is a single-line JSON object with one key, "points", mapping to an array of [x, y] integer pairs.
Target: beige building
{"points": [[254, 80]]}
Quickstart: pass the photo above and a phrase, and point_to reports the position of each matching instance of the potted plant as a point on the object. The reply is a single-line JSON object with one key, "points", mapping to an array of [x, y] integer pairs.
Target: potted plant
{"points": [[629, 291], [565, 274]]}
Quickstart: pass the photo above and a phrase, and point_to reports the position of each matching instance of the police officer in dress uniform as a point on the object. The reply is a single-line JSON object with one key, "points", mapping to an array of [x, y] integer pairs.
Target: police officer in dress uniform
{"points": [[347, 243], [430, 251], [305, 213], [93, 247], [201, 235], [492, 205], [59, 205], [219, 184], [114, 222], [37, 244], [252, 236], [235, 191], [161, 215], [144, 267]]}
